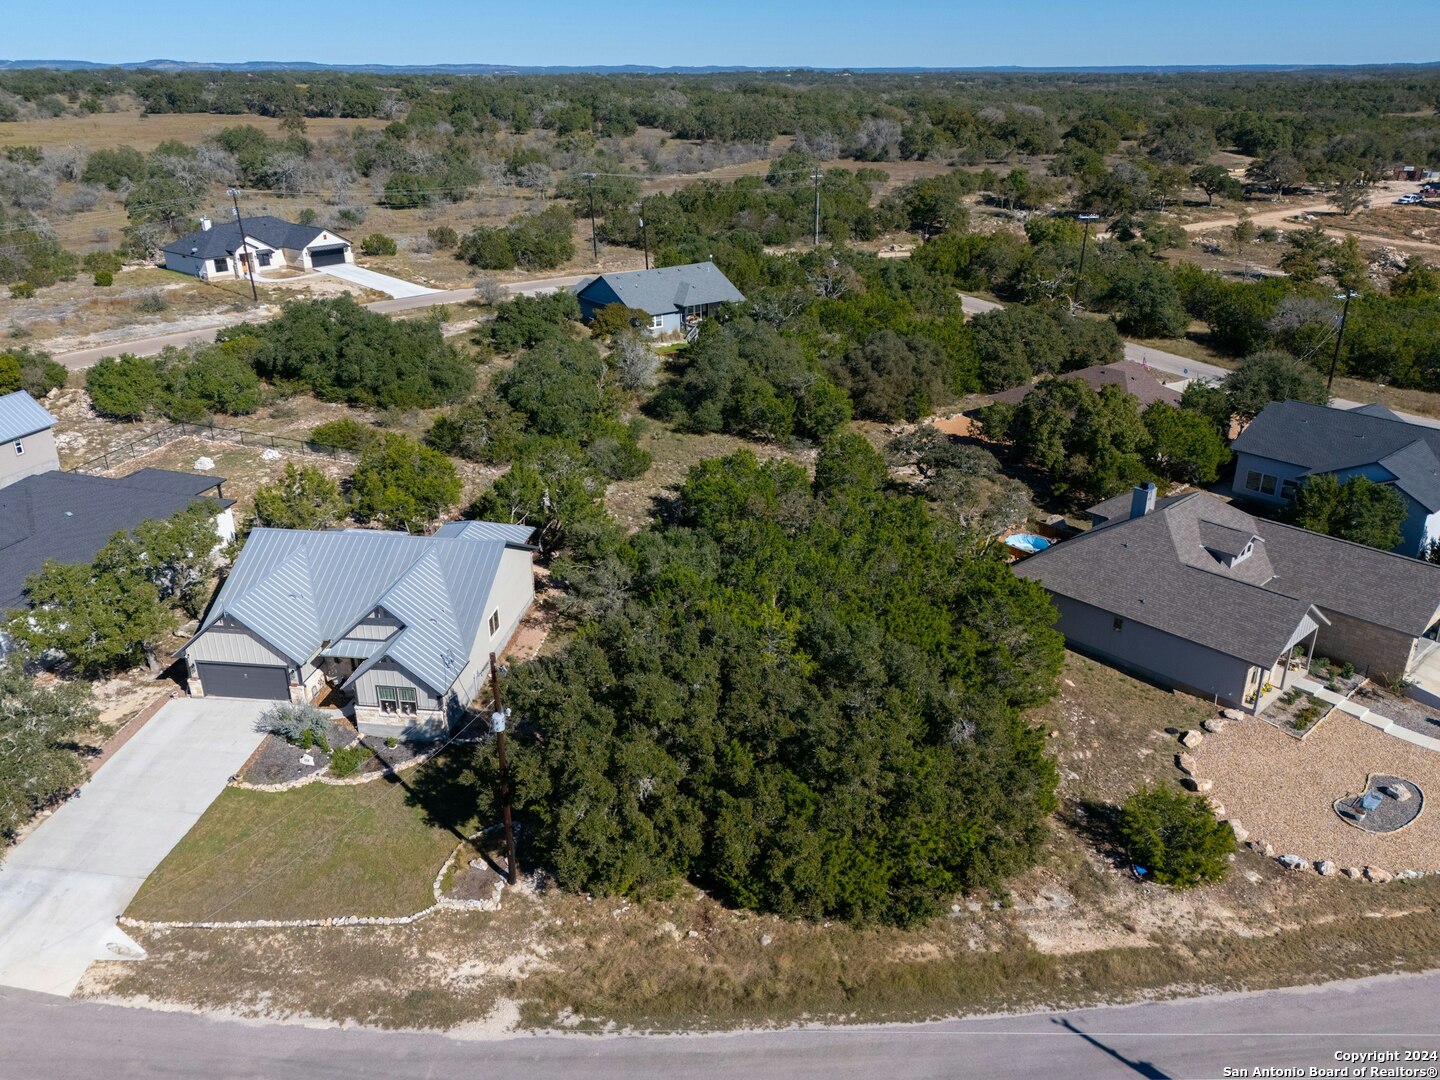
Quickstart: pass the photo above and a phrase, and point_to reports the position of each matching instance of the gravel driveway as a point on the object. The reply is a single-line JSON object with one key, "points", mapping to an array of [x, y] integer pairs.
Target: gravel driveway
{"points": [[62, 886], [1281, 789]]}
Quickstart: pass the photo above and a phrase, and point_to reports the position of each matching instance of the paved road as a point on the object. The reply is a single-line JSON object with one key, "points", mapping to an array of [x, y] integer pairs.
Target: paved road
{"points": [[62, 886], [149, 346], [42, 1037]]}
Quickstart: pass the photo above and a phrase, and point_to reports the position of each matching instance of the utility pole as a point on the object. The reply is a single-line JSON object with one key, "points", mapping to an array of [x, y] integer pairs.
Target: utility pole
{"points": [[816, 176], [249, 258], [645, 242], [594, 242], [1348, 295], [1084, 242], [497, 725]]}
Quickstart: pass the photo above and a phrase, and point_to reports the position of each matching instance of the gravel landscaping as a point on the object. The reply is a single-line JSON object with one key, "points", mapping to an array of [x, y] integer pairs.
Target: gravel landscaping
{"points": [[277, 762], [1283, 791], [1400, 803], [1406, 712]]}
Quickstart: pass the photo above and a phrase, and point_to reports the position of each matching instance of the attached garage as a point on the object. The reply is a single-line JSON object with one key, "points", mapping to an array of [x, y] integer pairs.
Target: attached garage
{"points": [[327, 256], [261, 681]]}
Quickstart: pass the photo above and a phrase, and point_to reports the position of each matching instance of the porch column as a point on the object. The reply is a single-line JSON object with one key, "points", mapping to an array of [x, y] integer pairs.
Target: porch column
{"points": [[1254, 706], [1285, 675], [1310, 653]]}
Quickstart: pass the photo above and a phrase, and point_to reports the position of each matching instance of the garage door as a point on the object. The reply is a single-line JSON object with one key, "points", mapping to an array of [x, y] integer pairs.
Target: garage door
{"points": [[244, 681], [327, 256]]}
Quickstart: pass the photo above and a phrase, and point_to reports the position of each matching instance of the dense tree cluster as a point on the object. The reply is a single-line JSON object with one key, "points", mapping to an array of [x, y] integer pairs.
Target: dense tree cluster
{"points": [[804, 697], [1357, 509], [31, 370], [38, 729]]}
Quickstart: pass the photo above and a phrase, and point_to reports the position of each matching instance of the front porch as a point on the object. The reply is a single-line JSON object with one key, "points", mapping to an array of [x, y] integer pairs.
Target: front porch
{"points": [[1269, 685]]}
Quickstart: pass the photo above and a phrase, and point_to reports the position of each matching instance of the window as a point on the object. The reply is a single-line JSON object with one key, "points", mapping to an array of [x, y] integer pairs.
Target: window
{"points": [[396, 699], [264, 258], [1262, 483], [1119, 623], [1252, 481], [19, 447], [222, 264], [1289, 489], [494, 623], [408, 701], [657, 321]]}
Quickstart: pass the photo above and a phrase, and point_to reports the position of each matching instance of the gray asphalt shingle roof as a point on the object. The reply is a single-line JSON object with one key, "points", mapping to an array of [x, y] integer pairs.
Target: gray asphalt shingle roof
{"points": [[668, 288], [224, 238], [69, 517], [21, 415], [1319, 439], [299, 590], [1135, 379], [1156, 570]]}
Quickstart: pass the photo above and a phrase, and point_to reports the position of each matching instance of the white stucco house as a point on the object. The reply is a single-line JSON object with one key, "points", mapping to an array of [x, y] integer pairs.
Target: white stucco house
{"points": [[675, 298], [404, 625], [223, 251], [1292, 440]]}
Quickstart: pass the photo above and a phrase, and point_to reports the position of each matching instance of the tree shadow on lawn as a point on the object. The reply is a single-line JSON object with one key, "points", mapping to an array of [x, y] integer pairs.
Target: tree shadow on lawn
{"points": [[450, 789]]}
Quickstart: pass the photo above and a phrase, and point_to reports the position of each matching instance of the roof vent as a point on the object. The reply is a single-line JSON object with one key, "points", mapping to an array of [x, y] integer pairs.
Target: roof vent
{"points": [[1142, 500], [204, 224]]}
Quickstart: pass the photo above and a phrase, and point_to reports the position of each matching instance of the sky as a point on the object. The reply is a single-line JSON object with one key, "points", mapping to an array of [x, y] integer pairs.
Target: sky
{"points": [[759, 33]]}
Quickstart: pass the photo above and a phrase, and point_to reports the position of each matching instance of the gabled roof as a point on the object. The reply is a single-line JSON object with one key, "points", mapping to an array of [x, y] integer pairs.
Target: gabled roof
{"points": [[487, 530], [667, 288], [224, 238], [21, 415], [1135, 379], [69, 517], [1320, 439], [1161, 569], [302, 590]]}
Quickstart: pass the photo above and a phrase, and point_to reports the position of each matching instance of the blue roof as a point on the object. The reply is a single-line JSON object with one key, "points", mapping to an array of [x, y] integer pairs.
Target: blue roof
{"points": [[21, 415]]}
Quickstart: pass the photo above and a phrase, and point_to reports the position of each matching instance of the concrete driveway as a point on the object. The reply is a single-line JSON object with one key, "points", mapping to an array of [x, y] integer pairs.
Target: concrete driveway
{"points": [[63, 885], [358, 275]]}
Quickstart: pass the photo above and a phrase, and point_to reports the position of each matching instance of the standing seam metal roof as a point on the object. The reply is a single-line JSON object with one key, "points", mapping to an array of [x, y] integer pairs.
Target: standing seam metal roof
{"points": [[21, 415]]}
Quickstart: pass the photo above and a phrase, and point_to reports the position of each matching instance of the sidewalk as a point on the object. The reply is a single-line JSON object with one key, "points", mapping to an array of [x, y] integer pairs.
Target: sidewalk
{"points": [[1365, 715]]}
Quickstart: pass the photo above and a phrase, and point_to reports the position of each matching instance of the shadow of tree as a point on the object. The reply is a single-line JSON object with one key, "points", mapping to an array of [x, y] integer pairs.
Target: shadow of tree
{"points": [[1099, 824], [453, 789]]}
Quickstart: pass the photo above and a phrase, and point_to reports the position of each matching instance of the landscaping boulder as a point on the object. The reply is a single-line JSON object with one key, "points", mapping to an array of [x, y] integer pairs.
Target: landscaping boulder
{"points": [[1186, 764], [1354, 873], [1191, 739], [1241, 833], [1375, 874], [1292, 862], [1326, 868], [1213, 724], [1216, 807], [1194, 784], [1232, 714], [1398, 792], [1268, 850]]}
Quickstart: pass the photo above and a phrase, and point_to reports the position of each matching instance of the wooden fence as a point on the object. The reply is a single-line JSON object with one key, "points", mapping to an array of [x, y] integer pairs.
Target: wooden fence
{"points": [[210, 433]]}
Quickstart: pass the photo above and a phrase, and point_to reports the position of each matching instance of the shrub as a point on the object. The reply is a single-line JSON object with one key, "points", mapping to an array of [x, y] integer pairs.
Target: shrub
{"points": [[443, 236], [126, 387], [347, 760], [528, 320], [403, 485], [293, 721], [152, 302], [487, 248], [103, 260], [39, 374], [104, 278], [1175, 837], [377, 244], [22, 290], [344, 434]]}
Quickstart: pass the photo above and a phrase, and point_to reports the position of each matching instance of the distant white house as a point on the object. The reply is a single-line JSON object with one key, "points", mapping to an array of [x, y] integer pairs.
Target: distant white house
{"points": [[675, 298], [222, 251]]}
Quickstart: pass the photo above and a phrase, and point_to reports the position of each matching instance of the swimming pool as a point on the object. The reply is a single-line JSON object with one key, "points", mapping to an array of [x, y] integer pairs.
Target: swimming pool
{"points": [[1027, 542]]}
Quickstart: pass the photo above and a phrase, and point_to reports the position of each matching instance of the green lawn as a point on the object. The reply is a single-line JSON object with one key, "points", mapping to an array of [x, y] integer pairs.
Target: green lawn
{"points": [[317, 851]]}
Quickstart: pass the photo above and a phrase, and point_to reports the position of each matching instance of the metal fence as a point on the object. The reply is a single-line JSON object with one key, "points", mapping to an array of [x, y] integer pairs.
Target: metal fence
{"points": [[210, 433]]}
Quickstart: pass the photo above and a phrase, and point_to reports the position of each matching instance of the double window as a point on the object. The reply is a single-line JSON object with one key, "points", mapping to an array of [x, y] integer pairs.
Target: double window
{"points": [[222, 264], [397, 699], [657, 321], [19, 447], [1260, 483]]}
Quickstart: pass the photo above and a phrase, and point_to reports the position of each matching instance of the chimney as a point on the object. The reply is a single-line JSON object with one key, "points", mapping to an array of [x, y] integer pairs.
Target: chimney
{"points": [[1142, 500], [204, 224]]}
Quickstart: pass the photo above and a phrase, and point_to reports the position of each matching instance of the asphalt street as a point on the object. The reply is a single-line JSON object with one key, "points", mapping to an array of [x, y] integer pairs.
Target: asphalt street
{"points": [[43, 1037]]}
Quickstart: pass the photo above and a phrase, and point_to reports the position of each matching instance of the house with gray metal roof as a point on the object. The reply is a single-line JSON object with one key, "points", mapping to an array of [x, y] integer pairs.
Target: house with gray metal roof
{"points": [[403, 625], [1293, 440], [27, 446], [268, 242], [675, 298], [1194, 593]]}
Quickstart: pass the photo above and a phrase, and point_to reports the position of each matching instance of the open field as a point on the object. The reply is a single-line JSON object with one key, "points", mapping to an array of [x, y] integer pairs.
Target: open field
{"points": [[1074, 929], [131, 127]]}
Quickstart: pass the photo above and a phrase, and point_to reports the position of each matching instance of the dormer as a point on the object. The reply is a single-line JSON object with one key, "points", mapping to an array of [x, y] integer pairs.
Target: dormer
{"points": [[1228, 546]]}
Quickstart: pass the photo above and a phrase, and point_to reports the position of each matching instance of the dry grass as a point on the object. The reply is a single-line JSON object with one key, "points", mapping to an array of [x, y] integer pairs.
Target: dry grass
{"points": [[134, 128]]}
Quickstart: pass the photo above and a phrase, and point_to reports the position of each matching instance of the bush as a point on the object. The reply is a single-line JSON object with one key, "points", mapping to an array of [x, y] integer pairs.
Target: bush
{"points": [[292, 721], [378, 244], [528, 320], [487, 248], [344, 434], [125, 387], [152, 302], [443, 236], [403, 485], [104, 278], [22, 290], [1175, 837], [38, 373], [347, 760]]}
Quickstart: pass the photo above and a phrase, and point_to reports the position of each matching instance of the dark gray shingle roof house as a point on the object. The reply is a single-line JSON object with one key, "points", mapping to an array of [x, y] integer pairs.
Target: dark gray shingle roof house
{"points": [[1197, 592], [1135, 379], [224, 239], [1291, 441], [662, 291], [69, 516]]}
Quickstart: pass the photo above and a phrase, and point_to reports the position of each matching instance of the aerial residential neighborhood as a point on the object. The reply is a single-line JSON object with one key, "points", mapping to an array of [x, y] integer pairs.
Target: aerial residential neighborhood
{"points": [[883, 542]]}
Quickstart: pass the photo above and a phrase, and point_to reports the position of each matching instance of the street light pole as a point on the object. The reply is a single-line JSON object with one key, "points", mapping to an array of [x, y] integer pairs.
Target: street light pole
{"points": [[594, 242], [1348, 295], [249, 258], [1084, 243], [497, 724]]}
